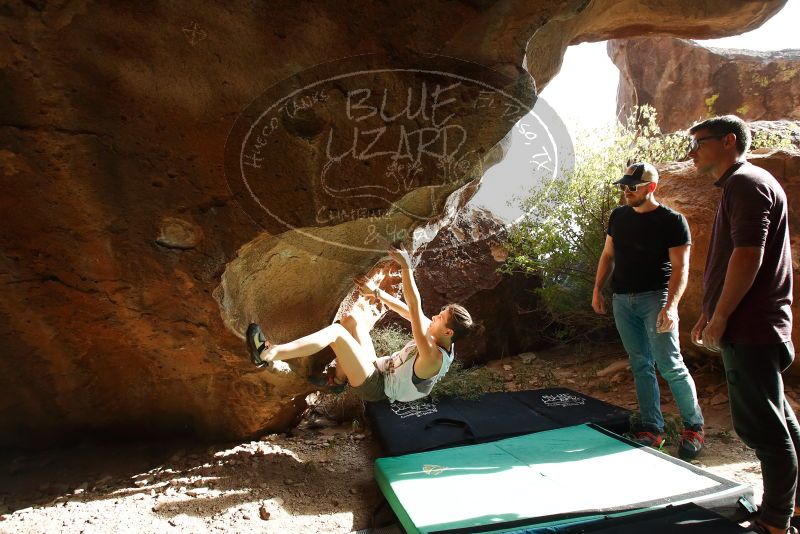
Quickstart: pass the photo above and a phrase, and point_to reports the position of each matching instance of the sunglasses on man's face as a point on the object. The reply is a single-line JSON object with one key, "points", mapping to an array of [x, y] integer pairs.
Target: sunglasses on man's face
{"points": [[694, 144], [632, 188]]}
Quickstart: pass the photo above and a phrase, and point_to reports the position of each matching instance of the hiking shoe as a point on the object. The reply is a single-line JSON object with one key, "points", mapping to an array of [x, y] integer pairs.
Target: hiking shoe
{"points": [[691, 442], [256, 344], [654, 440]]}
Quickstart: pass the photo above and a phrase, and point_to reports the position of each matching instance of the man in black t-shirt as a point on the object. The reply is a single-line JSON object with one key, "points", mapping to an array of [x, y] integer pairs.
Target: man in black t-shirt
{"points": [[647, 250]]}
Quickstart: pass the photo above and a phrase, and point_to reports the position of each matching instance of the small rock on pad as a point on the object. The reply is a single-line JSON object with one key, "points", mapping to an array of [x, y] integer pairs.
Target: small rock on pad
{"points": [[263, 513]]}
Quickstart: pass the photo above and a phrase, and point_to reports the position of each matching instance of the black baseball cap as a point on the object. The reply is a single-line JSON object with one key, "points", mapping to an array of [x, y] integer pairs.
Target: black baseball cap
{"points": [[639, 173]]}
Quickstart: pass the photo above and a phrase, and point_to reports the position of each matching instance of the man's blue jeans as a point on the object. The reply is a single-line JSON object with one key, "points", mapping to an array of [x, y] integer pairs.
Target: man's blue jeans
{"points": [[636, 315]]}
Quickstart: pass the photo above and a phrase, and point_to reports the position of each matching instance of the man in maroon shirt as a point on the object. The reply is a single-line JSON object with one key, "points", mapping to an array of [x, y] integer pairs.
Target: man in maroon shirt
{"points": [[747, 313]]}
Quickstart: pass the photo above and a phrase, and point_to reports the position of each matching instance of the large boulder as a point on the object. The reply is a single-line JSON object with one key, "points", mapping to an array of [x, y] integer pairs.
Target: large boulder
{"points": [[134, 246], [461, 265], [696, 197], [686, 82]]}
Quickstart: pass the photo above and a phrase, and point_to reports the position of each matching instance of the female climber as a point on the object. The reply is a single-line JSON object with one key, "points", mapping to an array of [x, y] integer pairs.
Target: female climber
{"points": [[406, 375]]}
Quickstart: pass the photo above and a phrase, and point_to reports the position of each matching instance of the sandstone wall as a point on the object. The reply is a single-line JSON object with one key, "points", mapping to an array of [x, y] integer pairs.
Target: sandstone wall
{"points": [[687, 82], [131, 261]]}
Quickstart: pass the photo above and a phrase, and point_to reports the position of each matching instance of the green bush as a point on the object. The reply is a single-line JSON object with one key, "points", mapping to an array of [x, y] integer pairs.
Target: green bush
{"points": [[562, 234], [467, 383], [389, 339], [767, 139]]}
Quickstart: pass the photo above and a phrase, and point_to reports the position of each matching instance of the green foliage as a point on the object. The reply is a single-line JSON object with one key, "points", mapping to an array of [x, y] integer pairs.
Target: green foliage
{"points": [[467, 383], [389, 339], [563, 232], [769, 139]]}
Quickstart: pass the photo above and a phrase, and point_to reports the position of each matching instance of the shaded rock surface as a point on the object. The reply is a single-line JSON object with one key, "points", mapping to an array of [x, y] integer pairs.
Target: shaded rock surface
{"points": [[460, 265], [177, 233], [115, 119], [687, 82], [696, 197]]}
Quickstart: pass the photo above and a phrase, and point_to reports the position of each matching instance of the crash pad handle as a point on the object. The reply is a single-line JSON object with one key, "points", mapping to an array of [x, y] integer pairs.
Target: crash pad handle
{"points": [[446, 421]]}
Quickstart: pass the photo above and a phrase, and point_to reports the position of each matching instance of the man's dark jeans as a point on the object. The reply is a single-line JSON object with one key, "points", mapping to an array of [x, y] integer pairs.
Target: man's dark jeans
{"points": [[765, 421]]}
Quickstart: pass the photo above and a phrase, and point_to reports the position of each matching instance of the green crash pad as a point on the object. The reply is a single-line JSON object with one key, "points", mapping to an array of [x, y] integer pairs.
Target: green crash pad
{"points": [[552, 477]]}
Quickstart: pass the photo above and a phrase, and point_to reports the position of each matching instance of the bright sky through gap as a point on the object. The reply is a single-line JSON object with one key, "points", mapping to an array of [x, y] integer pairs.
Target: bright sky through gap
{"points": [[584, 92], [584, 95]]}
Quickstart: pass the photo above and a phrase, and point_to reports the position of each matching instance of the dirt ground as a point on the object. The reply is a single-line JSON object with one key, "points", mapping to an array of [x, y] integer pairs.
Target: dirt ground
{"points": [[318, 478]]}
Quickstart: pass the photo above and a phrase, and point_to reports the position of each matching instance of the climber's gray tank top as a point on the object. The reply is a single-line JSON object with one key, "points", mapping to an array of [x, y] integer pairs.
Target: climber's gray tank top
{"points": [[398, 371]]}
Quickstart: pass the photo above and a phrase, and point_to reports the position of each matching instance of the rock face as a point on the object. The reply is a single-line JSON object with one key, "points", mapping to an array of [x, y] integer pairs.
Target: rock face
{"points": [[696, 197], [135, 247], [460, 265], [687, 82]]}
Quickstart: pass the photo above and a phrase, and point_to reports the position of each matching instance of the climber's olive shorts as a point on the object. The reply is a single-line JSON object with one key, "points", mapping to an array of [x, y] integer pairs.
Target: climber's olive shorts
{"points": [[372, 388]]}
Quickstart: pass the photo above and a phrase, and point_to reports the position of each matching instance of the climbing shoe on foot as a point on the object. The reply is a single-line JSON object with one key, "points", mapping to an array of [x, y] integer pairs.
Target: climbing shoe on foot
{"points": [[256, 344]]}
